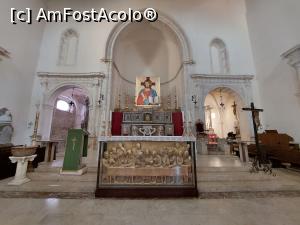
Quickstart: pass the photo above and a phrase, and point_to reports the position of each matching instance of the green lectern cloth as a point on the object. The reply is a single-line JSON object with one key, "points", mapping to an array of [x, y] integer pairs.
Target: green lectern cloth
{"points": [[76, 147]]}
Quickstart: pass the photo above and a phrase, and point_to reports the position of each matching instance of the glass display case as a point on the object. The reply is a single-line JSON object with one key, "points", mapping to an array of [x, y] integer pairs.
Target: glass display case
{"points": [[146, 167]]}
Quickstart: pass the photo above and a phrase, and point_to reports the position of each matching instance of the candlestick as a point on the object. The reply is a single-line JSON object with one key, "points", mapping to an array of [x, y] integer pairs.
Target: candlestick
{"points": [[36, 125]]}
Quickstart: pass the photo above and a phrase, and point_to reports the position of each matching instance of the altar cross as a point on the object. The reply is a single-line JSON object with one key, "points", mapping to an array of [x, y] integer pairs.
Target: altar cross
{"points": [[149, 81], [255, 113]]}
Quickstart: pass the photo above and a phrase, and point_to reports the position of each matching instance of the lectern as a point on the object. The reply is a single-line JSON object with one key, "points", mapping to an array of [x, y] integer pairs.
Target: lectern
{"points": [[76, 148]]}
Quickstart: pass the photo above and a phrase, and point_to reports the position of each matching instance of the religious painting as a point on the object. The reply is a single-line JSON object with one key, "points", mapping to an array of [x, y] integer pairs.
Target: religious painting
{"points": [[147, 91]]}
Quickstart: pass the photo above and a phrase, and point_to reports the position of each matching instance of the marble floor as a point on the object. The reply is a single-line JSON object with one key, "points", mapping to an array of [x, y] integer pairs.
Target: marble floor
{"points": [[266, 211]]}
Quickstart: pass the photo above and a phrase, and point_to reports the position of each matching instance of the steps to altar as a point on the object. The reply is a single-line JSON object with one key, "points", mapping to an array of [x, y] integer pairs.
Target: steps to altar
{"points": [[218, 176]]}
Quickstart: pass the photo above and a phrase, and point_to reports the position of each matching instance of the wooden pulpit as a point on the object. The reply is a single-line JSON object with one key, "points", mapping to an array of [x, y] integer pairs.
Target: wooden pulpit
{"points": [[76, 148]]}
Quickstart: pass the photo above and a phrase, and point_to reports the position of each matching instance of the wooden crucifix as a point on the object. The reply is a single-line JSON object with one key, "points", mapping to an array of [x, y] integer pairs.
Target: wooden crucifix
{"points": [[255, 113]]}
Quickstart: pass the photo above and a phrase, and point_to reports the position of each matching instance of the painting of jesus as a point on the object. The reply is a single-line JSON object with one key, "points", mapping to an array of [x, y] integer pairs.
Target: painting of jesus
{"points": [[147, 91]]}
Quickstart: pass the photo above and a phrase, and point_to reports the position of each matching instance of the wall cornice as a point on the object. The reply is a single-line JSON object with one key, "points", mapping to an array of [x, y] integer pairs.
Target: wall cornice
{"points": [[4, 53], [222, 77], [71, 75], [293, 56]]}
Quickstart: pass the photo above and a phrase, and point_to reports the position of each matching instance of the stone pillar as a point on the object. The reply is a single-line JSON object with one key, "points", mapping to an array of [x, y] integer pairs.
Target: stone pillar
{"points": [[202, 146], [22, 163], [293, 59], [243, 150]]}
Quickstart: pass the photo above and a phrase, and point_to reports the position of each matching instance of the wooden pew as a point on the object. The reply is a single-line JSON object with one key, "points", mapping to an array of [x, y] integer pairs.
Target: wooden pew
{"points": [[278, 147]]}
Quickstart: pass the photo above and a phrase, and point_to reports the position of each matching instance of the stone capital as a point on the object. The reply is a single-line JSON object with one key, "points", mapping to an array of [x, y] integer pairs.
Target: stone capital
{"points": [[293, 57], [4, 54]]}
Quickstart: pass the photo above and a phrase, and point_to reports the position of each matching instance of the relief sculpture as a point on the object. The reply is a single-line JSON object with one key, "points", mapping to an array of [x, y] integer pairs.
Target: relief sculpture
{"points": [[147, 163]]}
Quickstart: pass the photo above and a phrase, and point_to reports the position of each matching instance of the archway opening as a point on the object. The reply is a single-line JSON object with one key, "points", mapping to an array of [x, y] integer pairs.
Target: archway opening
{"points": [[147, 50], [70, 111], [224, 114]]}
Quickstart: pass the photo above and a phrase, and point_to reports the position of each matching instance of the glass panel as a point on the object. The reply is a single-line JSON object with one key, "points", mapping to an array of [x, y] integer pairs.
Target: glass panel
{"points": [[145, 163]]}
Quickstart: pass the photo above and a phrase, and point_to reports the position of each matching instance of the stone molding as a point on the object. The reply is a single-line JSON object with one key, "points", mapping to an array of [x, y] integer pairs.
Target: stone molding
{"points": [[293, 59], [147, 138], [203, 84], [4, 54], [71, 75], [222, 77], [241, 84], [53, 83], [293, 56]]}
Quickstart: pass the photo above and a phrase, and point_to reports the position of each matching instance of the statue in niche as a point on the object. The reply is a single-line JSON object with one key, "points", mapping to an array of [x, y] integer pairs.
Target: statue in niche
{"points": [[160, 131], [135, 131], [6, 129], [147, 95]]}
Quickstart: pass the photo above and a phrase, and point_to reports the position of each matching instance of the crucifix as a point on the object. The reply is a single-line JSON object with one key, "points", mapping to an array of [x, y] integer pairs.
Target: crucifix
{"points": [[74, 142], [255, 113], [209, 108]]}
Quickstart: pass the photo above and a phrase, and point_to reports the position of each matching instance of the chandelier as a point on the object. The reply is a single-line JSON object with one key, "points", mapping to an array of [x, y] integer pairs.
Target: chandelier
{"points": [[71, 103], [222, 105]]}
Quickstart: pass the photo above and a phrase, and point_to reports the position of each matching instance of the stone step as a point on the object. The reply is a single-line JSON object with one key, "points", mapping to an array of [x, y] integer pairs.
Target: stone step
{"points": [[48, 169], [88, 177], [223, 169], [232, 176], [239, 186]]}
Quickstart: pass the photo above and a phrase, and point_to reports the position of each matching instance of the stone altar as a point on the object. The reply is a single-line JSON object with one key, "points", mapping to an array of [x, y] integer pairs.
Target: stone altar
{"points": [[147, 166], [147, 123]]}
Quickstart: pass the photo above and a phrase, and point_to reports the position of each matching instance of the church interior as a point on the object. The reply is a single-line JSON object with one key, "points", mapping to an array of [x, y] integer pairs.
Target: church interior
{"points": [[192, 118]]}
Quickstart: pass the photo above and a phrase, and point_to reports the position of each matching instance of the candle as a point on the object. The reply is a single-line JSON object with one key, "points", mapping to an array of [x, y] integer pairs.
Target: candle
{"points": [[183, 119], [190, 117], [110, 115]]}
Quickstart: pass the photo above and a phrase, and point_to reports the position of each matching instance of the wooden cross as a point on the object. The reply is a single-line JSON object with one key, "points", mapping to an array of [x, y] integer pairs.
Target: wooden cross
{"points": [[255, 112]]}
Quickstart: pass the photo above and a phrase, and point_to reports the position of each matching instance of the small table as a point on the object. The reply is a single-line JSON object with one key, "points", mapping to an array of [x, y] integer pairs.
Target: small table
{"points": [[22, 163]]}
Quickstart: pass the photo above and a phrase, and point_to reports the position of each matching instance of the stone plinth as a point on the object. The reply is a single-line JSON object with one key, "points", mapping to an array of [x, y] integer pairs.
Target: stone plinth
{"points": [[22, 163]]}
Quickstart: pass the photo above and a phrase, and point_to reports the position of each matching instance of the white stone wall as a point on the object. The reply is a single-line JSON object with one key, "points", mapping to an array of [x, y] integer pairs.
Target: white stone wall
{"points": [[18, 72], [201, 22], [274, 29]]}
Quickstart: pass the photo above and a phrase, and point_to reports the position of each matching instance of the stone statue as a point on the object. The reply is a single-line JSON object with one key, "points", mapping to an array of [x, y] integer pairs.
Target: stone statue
{"points": [[6, 129], [135, 131], [160, 131], [5, 116], [156, 159], [6, 132]]}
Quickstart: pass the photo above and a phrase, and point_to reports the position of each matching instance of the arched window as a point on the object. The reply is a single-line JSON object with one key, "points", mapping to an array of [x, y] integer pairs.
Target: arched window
{"points": [[62, 105], [68, 48], [219, 57]]}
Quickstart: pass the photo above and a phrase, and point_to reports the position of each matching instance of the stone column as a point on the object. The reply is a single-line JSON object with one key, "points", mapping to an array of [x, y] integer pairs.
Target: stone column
{"points": [[22, 163], [293, 59]]}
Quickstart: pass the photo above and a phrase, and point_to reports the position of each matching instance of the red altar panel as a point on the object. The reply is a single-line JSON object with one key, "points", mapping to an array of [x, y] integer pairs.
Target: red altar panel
{"points": [[116, 123], [178, 123]]}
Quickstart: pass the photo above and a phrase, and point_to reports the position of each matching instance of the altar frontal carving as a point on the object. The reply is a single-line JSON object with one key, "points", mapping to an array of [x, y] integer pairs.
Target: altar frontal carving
{"points": [[147, 163]]}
